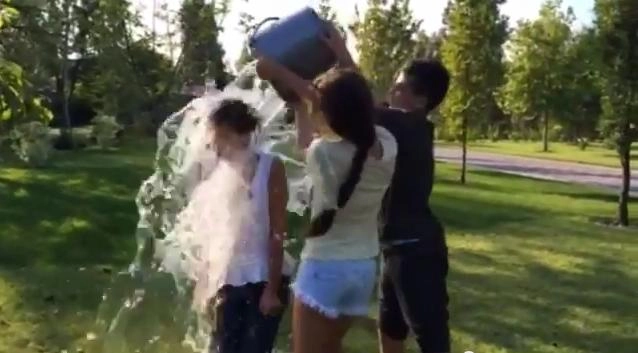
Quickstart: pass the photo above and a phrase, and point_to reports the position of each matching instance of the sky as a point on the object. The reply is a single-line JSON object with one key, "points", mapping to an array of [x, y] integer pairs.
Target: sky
{"points": [[430, 11]]}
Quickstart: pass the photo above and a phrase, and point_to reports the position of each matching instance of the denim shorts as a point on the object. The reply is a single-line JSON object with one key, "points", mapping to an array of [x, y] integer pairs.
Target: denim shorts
{"points": [[336, 287]]}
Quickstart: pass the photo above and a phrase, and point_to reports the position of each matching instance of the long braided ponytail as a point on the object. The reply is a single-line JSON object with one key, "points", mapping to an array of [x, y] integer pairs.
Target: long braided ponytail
{"points": [[348, 107]]}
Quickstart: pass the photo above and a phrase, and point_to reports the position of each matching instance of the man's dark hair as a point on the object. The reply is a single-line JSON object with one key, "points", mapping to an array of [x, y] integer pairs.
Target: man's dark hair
{"points": [[428, 78]]}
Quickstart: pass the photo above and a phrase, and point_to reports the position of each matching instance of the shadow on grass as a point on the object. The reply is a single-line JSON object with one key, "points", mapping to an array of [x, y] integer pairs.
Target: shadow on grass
{"points": [[90, 221], [634, 156], [62, 229], [542, 309], [80, 210], [515, 295], [47, 309], [604, 197], [469, 215], [67, 229], [486, 202], [529, 273]]}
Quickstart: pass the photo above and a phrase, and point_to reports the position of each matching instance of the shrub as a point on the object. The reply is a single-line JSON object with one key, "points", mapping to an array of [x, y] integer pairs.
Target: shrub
{"points": [[583, 142], [515, 136], [31, 143], [556, 133], [143, 125], [105, 130]]}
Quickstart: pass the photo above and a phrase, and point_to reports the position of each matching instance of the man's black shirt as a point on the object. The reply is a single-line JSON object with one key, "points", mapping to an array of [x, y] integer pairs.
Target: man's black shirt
{"points": [[405, 212]]}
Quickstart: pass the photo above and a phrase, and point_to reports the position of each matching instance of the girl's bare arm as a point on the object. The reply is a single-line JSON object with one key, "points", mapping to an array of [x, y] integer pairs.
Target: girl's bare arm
{"points": [[277, 202]]}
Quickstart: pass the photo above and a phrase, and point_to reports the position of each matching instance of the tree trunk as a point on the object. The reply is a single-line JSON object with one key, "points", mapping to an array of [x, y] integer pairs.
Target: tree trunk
{"points": [[623, 201], [67, 131], [463, 149], [545, 132]]}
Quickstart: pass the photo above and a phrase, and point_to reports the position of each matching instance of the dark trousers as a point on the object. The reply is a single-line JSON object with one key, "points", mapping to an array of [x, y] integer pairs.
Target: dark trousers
{"points": [[240, 325], [414, 296]]}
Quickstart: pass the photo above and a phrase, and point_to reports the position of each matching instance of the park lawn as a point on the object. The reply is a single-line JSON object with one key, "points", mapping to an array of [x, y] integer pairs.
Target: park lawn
{"points": [[595, 153], [529, 271]]}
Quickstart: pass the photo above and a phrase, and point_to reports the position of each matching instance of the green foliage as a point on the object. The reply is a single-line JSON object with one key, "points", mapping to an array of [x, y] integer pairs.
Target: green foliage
{"points": [[325, 10], [17, 101], [114, 73], [8, 14], [247, 24], [385, 41], [105, 128], [583, 143], [537, 74], [127, 89], [580, 118], [472, 51], [202, 54], [11, 87], [31, 143], [429, 46], [537, 69], [616, 26], [123, 75]]}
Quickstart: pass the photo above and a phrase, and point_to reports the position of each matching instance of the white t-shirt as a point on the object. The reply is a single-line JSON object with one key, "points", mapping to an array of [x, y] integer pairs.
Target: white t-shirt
{"points": [[354, 233]]}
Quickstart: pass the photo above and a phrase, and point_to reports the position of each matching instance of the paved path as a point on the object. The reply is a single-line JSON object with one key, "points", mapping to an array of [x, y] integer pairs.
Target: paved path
{"points": [[605, 177]]}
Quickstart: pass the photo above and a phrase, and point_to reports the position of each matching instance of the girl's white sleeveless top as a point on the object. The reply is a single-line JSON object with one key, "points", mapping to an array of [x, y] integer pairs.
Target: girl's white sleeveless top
{"points": [[249, 263]]}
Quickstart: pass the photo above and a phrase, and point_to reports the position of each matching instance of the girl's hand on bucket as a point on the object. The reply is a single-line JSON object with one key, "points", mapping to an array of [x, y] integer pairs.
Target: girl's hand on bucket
{"points": [[269, 303]]}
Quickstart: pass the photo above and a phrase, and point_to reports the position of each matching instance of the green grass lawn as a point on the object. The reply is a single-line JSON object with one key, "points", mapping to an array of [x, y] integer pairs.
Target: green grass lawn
{"points": [[595, 153], [529, 271]]}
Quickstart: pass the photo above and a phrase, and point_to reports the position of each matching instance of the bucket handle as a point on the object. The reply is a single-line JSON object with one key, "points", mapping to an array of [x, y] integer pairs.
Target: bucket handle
{"points": [[257, 27]]}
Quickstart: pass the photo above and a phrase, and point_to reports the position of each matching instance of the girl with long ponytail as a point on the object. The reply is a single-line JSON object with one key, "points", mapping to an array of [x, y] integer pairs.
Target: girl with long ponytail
{"points": [[350, 163]]}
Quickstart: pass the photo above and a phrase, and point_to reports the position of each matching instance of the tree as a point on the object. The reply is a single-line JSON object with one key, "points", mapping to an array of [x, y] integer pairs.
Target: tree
{"points": [[616, 25], [166, 39], [579, 123], [326, 11], [385, 41], [18, 100], [57, 30], [537, 75], [202, 54], [106, 69], [472, 51], [247, 25], [429, 46]]}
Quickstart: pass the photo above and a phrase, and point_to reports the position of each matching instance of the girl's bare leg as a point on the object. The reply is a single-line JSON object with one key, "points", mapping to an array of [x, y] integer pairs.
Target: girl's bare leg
{"points": [[315, 333]]}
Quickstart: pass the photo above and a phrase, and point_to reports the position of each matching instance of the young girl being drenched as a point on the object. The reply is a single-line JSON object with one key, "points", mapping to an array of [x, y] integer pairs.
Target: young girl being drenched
{"points": [[240, 215], [350, 164]]}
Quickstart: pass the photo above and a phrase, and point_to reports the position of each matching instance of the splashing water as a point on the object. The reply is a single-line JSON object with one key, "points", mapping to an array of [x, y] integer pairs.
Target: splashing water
{"points": [[161, 303]]}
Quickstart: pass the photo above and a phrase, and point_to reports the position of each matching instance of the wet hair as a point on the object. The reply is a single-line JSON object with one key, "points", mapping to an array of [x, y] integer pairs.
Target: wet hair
{"points": [[428, 78], [347, 104], [235, 115]]}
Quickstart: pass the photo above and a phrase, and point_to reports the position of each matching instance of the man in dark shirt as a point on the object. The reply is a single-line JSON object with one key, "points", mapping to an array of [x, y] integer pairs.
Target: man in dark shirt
{"points": [[413, 281]]}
